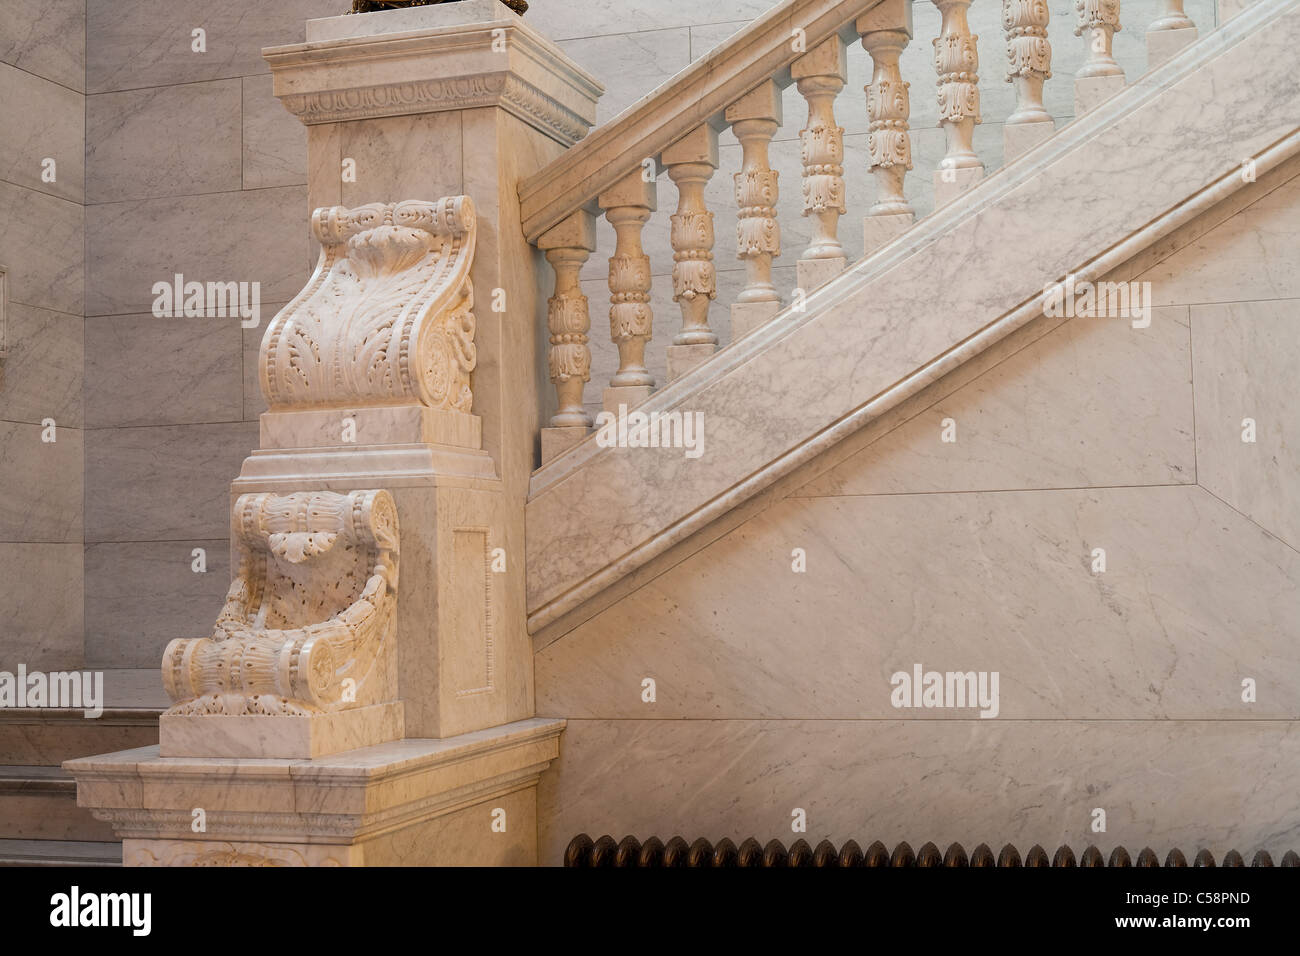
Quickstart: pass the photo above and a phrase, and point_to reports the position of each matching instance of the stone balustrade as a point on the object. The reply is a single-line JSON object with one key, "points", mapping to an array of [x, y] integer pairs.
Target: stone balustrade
{"points": [[739, 87]]}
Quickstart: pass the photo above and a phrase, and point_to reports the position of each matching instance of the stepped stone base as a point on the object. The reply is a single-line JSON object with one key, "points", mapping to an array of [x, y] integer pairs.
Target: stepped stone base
{"points": [[951, 183], [1163, 44], [878, 230], [683, 358], [468, 800], [250, 735], [810, 273], [1019, 137], [1091, 91], [748, 316], [557, 440]]}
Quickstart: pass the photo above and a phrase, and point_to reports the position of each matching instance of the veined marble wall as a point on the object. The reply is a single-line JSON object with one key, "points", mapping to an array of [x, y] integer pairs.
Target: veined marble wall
{"points": [[42, 192], [193, 168], [1119, 689]]}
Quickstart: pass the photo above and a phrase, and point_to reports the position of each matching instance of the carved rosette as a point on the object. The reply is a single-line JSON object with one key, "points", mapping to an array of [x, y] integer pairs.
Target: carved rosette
{"points": [[821, 147], [1029, 56], [956, 60], [691, 236], [1098, 23], [314, 604], [889, 144], [568, 321], [631, 320], [387, 315]]}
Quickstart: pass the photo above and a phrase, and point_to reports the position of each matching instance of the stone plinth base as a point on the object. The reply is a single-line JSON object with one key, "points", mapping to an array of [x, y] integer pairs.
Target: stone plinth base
{"points": [[559, 439], [258, 736], [461, 801], [811, 273], [1089, 91], [1018, 137], [748, 316], [951, 183], [878, 230], [629, 395], [1163, 44], [683, 358]]}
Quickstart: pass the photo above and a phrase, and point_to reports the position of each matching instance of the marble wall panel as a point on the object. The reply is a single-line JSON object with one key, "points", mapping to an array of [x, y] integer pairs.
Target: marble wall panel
{"points": [[1194, 598], [163, 141], [1246, 356], [42, 121], [42, 375], [42, 482], [150, 42], [41, 246], [46, 38], [606, 17], [41, 605], [141, 595], [1186, 784], [165, 483], [254, 236], [630, 65], [143, 370]]}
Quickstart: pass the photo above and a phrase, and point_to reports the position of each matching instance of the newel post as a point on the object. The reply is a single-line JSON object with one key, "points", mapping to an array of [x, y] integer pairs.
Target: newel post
{"points": [[374, 634]]}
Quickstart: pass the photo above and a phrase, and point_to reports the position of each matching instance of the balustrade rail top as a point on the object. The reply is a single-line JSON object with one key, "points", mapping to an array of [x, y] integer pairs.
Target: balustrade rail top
{"points": [[696, 95]]}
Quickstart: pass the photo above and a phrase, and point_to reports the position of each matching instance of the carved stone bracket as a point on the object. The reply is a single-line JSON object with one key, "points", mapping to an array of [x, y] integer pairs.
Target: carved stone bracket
{"points": [[386, 317], [310, 613]]}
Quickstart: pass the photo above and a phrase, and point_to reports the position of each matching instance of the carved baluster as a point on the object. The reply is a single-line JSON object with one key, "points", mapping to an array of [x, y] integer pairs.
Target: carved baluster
{"points": [[691, 162], [755, 118], [956, 60], [1100, 76], [1030, 56], [1170, 33], [627, 206], [820, 74], [885, 31], [567, 246]]}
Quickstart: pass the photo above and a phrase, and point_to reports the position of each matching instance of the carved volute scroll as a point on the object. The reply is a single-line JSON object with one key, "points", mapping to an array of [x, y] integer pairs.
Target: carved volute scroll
{"points": [[1029, 55], [1098, 24], [313, 606], [385, 319]]}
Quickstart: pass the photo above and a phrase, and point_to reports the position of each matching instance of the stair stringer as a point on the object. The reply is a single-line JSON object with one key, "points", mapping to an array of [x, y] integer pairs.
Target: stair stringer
{"points": [[1099, 192]]}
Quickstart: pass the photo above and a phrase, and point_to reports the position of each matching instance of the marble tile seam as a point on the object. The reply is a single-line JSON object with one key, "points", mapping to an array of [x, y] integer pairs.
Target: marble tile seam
{"points": [[1246, 517], [173, 196], [46, 79], [43, 192], [164, 86], [937, 720], [623, 33]]}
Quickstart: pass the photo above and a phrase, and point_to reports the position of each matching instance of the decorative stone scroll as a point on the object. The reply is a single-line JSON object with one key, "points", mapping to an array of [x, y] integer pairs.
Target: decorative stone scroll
{"points": [[309, 616], [386, 318]]}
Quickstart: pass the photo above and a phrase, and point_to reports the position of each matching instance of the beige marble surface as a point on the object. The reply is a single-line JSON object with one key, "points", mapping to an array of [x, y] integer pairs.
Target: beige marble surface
{"points": [[1209, 784], [42, 247], [41, 605], [42, 375], [127, 159], [274, 142], [142, 594], [197, 370], [1194, 598], [745, 399], [244, 236], [42, 483], [40, 120], [1246, 355], [46, 38], [163, 483]]}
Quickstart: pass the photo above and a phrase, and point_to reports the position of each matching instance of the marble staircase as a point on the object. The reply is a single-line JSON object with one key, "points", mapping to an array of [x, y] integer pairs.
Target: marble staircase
{"points": [[1140, 161]]}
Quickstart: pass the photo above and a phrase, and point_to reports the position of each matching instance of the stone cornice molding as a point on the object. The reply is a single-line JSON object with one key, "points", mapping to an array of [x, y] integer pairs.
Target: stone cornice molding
{"points": [[443, 68], [663, 500], [697, 95]]}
